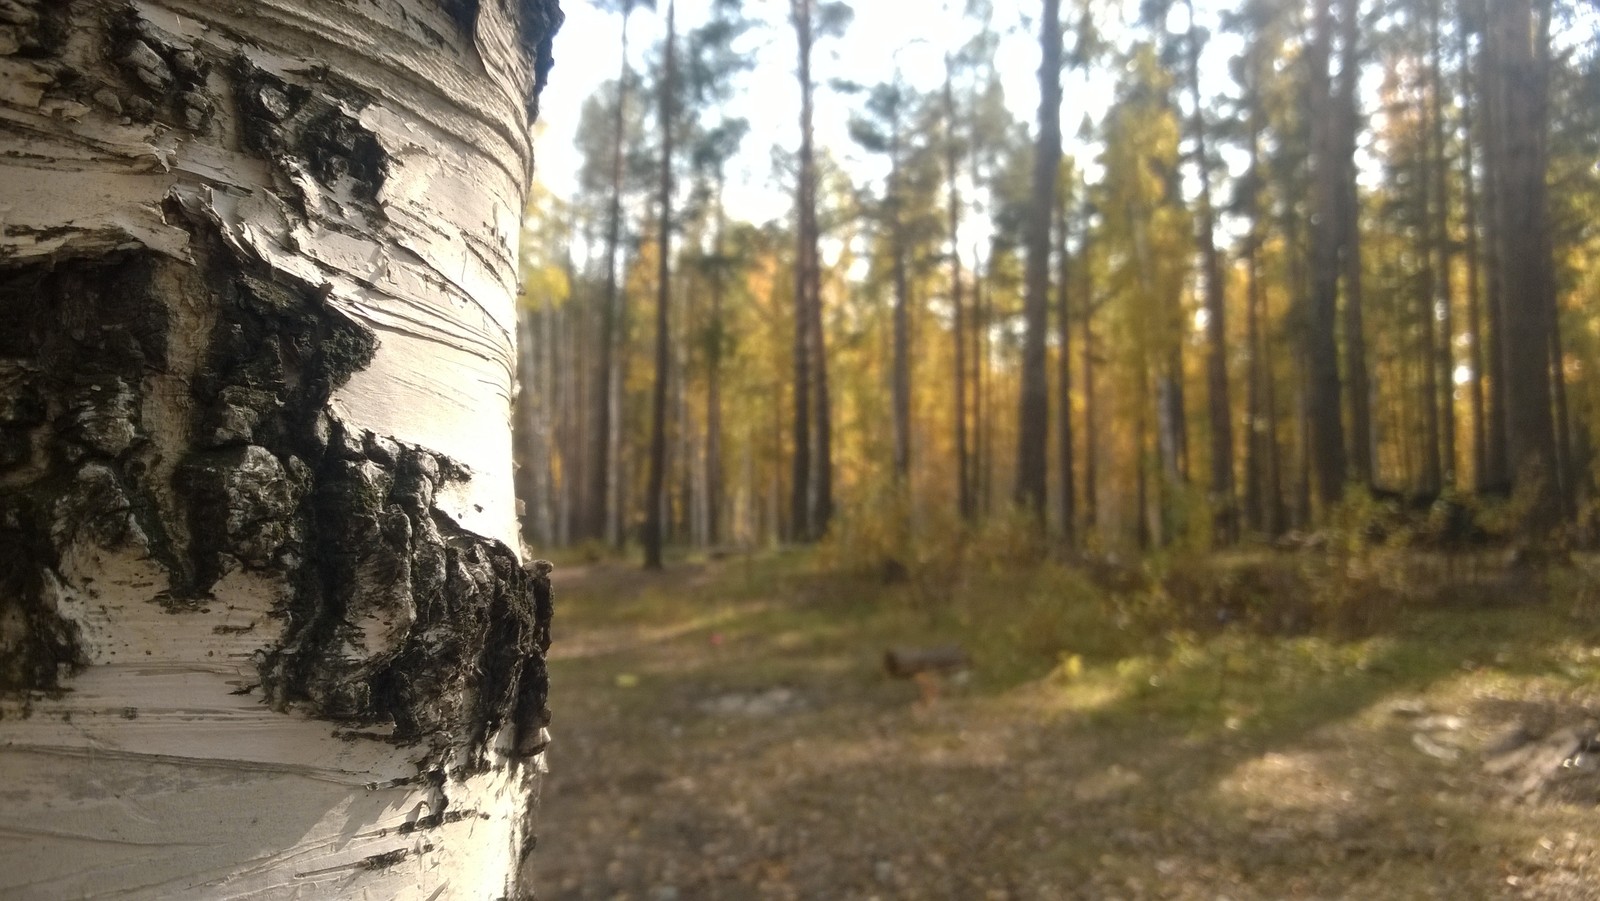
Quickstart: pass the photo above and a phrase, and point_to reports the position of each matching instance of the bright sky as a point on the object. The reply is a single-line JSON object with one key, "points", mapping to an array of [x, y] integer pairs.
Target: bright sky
{"points": [[883, 35], [588, 53]]}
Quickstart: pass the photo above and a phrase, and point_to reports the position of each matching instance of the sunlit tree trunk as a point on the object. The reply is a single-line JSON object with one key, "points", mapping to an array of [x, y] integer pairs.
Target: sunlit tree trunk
{"points": [[263, 628]]}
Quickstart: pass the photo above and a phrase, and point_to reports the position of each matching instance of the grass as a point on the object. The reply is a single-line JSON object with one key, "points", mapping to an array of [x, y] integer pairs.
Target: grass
{"points": [[1098, 751]]}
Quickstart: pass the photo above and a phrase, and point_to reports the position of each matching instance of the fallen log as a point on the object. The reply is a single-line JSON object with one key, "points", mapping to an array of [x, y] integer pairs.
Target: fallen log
{"points": [[908, 662]]}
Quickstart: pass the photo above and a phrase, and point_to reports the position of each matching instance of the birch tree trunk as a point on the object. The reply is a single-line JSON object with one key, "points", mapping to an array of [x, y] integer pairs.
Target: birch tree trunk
{"points": [[263, 630]]}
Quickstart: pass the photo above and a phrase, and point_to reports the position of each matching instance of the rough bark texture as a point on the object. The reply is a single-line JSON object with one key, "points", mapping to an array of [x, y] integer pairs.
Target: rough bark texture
{"points": [[262, 626]]}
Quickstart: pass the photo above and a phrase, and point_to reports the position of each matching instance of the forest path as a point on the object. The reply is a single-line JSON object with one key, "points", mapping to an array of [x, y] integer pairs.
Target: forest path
{"points": [[725, 731]]}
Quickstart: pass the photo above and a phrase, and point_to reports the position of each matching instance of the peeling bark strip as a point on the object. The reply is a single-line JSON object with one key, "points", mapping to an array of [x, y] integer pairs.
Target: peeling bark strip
{"points": [[263, 632]]}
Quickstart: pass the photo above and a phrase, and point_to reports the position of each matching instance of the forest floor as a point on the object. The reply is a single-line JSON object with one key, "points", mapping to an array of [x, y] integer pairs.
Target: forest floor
{"points": [[725, 730]]}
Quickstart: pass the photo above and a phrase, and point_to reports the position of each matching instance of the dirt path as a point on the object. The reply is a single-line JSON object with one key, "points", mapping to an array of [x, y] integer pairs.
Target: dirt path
{"points": [[719, 739]]}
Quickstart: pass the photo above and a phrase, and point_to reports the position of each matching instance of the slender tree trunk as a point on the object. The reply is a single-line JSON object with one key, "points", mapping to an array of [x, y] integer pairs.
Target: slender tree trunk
{"points": [[549, 336], [1475, 319], [964, 500], [599, 517], [1322, 405], [1498, 463], [713, 476], [1442, 247], [654, 494], [901, 388], [576, 378], [1524, 257], [1274, 518], [260, 631], [1356, 372], [813, 490], [622, 495], [800, 506], [1259, 369], [1432, 470], [688, 464], [1172, 430], [1298, 504], [1255, 453], [1224, 503], [564, 377], [1067, 488], [1566, 473], [1033, 426], [1141, 463], [1091, 427], [983, 407], [583, 324], [531, 425]]}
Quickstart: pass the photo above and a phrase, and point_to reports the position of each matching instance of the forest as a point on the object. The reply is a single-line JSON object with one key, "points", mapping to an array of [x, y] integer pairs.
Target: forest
{"points": [[1294, 264]]}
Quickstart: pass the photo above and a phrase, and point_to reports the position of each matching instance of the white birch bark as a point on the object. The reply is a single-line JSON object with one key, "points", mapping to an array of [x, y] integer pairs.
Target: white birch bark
{"points": [[263, 633]]}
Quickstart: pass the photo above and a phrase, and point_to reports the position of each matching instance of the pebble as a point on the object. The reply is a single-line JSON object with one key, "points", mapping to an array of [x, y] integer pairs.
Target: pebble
{"points": [[883, 871]]}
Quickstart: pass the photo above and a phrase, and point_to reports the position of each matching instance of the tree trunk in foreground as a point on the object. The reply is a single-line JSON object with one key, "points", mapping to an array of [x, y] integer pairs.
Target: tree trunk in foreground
{"points": [[263, 629]]}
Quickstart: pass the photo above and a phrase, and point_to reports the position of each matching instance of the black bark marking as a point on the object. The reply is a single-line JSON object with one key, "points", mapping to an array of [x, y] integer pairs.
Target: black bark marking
{"points": [[40, 28], [539, 21], [164, 76], [398, 614], [74, 347], [288, 125]]}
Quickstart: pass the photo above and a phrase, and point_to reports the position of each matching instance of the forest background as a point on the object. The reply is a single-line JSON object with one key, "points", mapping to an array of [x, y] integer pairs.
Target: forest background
{"points": [[1288, 267]]}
